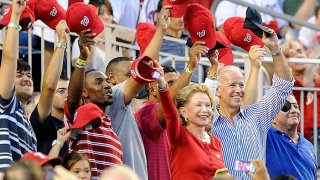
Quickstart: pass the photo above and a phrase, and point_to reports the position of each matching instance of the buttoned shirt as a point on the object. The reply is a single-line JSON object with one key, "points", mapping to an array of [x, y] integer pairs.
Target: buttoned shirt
{"points": [[246, 138]]}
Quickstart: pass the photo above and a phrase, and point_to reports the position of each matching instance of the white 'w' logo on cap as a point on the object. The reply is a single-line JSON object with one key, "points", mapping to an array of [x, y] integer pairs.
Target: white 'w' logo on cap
{"points": [[248, 38], [201, 33], [6, 11], [54, 11], [85, 21]]}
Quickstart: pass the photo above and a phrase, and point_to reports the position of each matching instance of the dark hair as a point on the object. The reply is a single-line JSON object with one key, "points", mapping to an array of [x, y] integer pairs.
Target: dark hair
{"points": [[316, 11], [96, 3], [159, 5], [168, 68], [115, 61], [64, 77], [23, 66], [72, 158], [284, 177]]}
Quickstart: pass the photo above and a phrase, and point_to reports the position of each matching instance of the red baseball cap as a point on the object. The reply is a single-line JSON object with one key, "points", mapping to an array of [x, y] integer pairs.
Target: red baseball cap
{"points": [[142, 72], [179, 7], [26, 19], [87, 114], [225, 54], [48, 11], [40, 158], [239, 36], [145, 32], [199, 22], [81, 16]]}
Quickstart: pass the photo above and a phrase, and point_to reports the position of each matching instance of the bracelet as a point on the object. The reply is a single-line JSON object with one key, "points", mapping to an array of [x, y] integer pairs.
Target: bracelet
{"points": [[277, 53], [188, 70], [80, 63], [14, 26], [164, 88], [62, 46], [215, 77]]}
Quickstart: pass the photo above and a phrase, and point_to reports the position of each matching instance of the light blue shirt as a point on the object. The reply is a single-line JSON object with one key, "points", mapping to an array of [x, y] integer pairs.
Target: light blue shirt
{"points": [[246, 139]]}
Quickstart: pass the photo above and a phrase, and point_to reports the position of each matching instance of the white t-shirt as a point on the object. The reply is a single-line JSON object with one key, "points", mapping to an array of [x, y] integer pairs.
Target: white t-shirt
{"points": [[308, 36], [228, 9], [49, 34], [126, 12], [148, 12]]}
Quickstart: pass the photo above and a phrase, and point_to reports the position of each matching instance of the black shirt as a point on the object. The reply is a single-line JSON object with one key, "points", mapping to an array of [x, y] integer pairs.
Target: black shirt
{"points": [[46, 133]]}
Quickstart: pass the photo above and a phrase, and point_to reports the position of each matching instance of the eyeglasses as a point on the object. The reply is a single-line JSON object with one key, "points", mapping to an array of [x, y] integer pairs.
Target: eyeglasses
{"points": [[286, 107], [61, 90]]}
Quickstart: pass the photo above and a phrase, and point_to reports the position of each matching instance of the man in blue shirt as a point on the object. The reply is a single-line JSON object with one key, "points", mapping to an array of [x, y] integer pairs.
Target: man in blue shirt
{"points": [[288, 152], [243, 132]]}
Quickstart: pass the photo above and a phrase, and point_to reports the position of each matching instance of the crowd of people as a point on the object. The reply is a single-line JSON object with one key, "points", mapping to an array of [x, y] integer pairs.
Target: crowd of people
{"points": [[140, 119]]}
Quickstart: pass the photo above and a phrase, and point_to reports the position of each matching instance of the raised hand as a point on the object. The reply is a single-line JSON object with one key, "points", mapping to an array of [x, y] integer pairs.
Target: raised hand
{"points": [[197, 49], [163, 18], [18, 7], [63, 134], [86, 43], [256, 54], [272, 41], [62, 30]]}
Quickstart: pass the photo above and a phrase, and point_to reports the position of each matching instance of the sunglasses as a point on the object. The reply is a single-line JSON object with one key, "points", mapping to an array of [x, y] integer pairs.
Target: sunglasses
{"points": [[286, 107]]}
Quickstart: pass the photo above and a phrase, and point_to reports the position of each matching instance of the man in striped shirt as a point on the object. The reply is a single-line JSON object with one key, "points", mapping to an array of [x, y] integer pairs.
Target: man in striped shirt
{"points": [[16, 134], [243, 132]]}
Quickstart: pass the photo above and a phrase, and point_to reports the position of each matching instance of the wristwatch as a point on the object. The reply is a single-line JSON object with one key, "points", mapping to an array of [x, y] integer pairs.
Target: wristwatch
{"points": [[14, 26], [58, 142], [62, 46]]}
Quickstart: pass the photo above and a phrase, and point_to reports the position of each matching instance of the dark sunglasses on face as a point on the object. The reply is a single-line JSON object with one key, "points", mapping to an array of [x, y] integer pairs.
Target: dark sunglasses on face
{"points": [[286, 107]]}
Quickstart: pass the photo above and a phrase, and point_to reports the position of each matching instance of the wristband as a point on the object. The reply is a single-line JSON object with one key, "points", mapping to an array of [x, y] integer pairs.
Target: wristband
{"points": [[276, 53], [164, 88], [62, 46], [58, 142], [215, 77], [14, 26], [80, 63], [188, 70]]}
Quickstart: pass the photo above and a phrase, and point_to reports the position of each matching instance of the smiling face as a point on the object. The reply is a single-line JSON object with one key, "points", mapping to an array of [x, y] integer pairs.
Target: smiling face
{"points": [[197, 110], [24, 85], [97, 89], [289, 119], [230, 89]]}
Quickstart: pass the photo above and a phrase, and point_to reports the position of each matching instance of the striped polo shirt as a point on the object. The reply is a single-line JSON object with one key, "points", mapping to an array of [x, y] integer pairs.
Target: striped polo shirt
{"points": [[246, 139], [16, 133], [101, 145]]}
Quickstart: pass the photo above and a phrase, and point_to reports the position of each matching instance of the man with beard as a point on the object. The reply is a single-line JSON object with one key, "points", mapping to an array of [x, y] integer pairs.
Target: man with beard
{"points": [[16, 134], [288, 152]]}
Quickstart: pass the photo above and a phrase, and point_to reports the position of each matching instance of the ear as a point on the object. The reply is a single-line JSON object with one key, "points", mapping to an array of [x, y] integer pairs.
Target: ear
{"points": [[183, 112], [85, 93], [218, 92], [110, 75]]}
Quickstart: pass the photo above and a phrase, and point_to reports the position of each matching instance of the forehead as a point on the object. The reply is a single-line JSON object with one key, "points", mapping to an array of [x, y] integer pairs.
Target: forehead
{"points": [[93, 75], [292, 99], [23, 72], [171, 76], [198, 96], [229, 76]]}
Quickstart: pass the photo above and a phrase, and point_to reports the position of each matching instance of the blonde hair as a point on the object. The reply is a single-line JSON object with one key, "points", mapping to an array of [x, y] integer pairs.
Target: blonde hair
{"points": [[185, 93]]}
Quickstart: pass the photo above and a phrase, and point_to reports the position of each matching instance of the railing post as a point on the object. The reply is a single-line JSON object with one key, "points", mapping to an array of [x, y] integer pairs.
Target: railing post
{"points": [[108, 44]]}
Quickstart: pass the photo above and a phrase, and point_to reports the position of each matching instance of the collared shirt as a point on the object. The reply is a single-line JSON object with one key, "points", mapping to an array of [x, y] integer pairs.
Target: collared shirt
{"points": [[300, 159], [246, 139]]}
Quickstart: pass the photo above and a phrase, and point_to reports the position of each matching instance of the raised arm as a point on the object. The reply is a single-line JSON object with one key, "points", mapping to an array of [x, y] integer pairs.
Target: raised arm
{"points": [[184, 79], [8, 67], [281, 67], [170, 112], [211, 79], [52, 74], [255, 55], [132, 87], [76, 84]]}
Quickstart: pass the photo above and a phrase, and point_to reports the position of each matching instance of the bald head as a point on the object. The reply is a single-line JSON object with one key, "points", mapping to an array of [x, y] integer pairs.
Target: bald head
{"points": [[226, 72]]}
